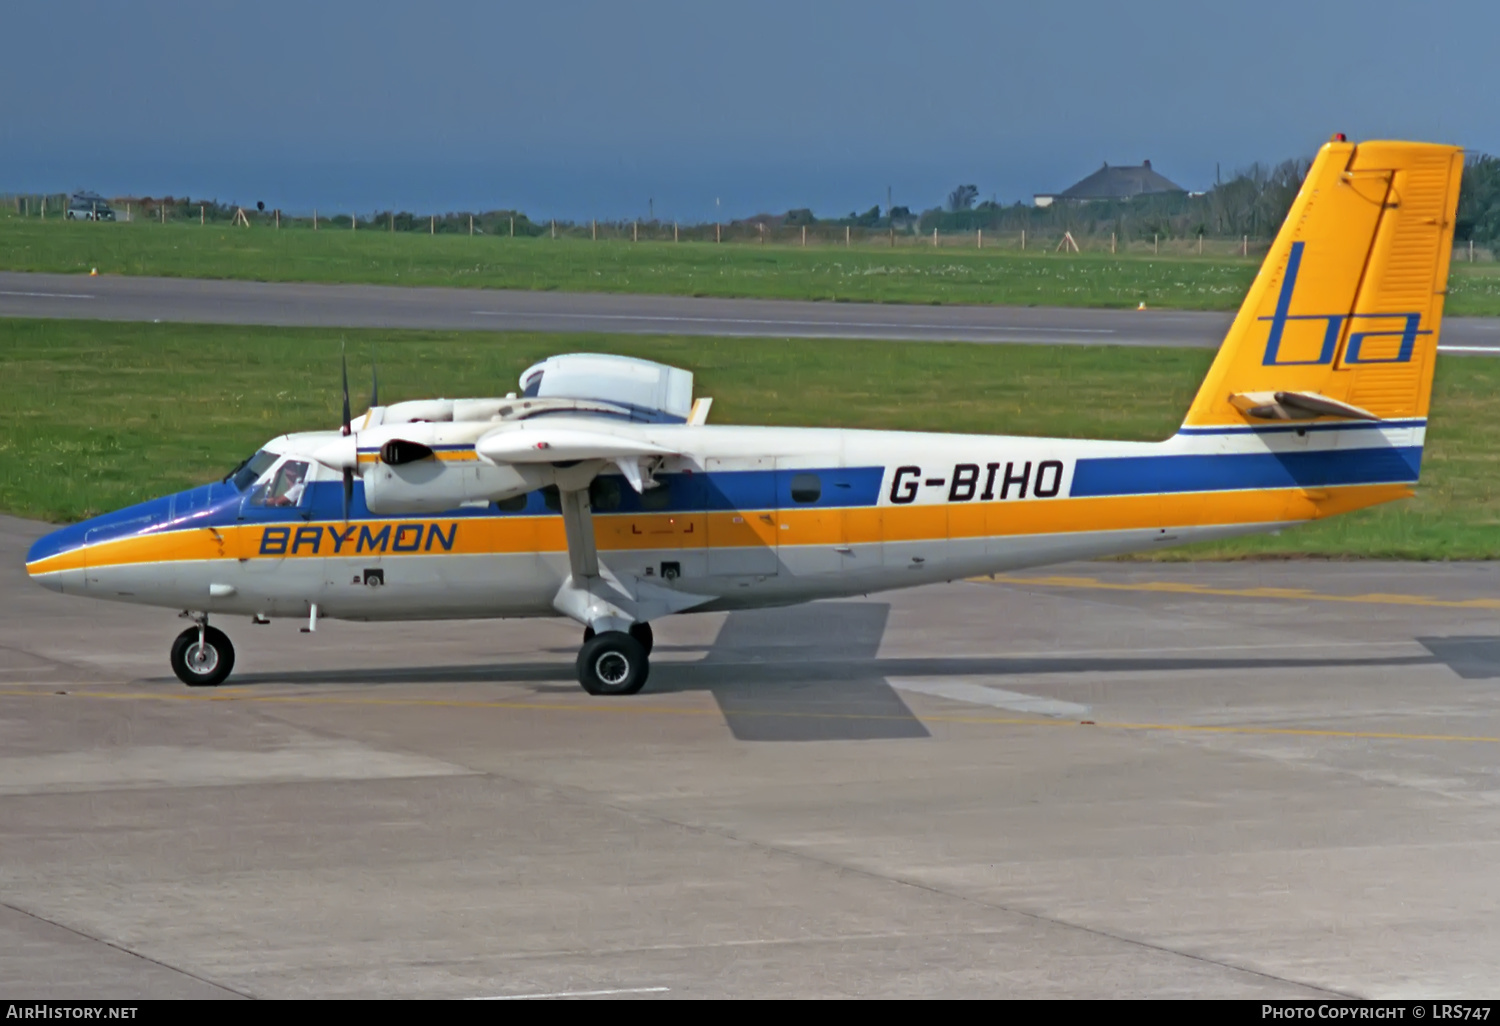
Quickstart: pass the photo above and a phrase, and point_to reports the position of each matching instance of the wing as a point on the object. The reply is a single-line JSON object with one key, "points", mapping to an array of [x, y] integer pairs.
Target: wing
{"points": [[533, 443]]}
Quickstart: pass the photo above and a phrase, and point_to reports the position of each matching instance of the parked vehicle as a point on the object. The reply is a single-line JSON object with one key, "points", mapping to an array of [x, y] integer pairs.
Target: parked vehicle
{"points": [[89, 206]]}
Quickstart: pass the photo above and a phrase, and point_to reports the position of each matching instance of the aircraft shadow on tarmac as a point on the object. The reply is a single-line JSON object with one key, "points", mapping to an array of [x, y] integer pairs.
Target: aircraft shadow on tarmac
{"points": [[813, 673], [1472, 658]]}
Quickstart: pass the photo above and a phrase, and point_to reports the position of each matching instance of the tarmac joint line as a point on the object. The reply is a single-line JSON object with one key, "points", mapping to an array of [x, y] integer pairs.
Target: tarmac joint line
{"points": [[643, 709], [122, 948]]}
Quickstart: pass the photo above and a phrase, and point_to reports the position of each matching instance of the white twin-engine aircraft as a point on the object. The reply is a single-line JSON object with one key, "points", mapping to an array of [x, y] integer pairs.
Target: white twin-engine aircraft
{"points": [[600, 493]]}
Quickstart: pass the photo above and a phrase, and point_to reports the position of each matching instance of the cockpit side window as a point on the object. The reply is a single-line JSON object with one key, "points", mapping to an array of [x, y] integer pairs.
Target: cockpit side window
{"points": [[285, 487], [248, 472]]}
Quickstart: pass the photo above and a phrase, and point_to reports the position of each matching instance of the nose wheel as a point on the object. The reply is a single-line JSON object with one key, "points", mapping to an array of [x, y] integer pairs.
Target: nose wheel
{"points": [[202, 657], [613, 663]]}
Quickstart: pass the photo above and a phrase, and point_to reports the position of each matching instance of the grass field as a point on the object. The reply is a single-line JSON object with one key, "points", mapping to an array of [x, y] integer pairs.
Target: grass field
{"points": [[907, 274], [94, 416]]}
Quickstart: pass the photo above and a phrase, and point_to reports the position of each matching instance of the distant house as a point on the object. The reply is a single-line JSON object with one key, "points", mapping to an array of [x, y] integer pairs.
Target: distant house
{"points": [[1113, 183]]}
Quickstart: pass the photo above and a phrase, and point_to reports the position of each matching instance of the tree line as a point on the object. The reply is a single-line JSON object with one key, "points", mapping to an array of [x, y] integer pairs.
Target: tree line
{"points": [[1253, 202]]}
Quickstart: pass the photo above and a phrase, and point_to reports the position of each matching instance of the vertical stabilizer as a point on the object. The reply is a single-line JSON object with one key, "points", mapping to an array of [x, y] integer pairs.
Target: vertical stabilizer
{"points": [[1342, 321]]}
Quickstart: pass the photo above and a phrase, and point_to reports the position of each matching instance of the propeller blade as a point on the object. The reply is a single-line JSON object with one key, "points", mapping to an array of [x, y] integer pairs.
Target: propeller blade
{"points": [[344, 363], [348, 491], [374, 381]]}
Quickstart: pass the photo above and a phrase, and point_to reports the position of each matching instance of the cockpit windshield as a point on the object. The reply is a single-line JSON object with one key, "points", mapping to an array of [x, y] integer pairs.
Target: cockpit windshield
{"points": [[246, 474]]}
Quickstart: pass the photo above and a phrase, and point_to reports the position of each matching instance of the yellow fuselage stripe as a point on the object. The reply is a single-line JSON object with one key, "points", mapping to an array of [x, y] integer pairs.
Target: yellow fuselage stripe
{"points": [[746, 528]]}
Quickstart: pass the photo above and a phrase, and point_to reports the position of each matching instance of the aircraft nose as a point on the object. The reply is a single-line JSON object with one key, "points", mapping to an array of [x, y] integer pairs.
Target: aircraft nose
{"points": [[52, 560], [50, 581]]}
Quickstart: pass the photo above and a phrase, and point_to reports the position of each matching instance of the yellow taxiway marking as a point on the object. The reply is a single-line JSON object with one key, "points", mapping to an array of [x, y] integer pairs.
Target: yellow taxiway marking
{"points": [[639, 708], [1297, 594]]}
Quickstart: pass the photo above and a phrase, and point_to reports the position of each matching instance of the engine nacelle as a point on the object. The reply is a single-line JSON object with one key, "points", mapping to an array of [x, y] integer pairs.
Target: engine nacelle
{"points": [[436, 486]]}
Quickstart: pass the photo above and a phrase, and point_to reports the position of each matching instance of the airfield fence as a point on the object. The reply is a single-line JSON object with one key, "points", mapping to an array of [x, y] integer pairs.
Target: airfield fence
{"points": [[755, 232]]}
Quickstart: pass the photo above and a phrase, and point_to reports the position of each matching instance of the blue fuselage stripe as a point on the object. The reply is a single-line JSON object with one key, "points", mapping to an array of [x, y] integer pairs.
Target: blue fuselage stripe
{"points": [[729, 490], [1150, 475]]}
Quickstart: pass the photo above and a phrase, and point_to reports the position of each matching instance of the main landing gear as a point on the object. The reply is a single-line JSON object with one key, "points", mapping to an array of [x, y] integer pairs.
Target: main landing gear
{"points": [[615, 662], [202, 656]]}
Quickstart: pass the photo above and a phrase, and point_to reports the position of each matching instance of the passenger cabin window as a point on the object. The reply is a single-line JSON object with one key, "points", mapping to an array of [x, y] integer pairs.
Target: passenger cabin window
{"points": [[806, 488], [604, 494], [659, 497], [285, 487]]}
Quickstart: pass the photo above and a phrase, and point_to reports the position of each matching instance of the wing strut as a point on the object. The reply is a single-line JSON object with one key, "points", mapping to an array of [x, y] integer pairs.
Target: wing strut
{"points": [[578, 522]]}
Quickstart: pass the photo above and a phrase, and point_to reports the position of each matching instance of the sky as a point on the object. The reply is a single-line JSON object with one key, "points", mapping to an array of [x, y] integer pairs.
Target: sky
{"points": [[695, 111]]}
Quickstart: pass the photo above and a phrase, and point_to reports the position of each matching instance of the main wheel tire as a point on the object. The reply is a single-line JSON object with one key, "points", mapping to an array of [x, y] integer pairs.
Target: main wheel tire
{"points": [[642, 632], [612, 663], [202, 665]]}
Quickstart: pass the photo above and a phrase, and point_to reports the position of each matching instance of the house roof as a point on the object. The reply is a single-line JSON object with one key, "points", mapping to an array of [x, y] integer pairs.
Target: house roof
{"points": [[1120, 183]]}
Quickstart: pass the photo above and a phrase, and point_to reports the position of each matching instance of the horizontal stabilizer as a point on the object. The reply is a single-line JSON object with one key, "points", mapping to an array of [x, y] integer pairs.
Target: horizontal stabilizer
{"points": [[1295, 406]]}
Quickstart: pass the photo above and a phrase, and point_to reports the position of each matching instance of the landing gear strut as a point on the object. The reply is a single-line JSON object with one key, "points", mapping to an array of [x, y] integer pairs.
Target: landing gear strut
{"points": [[614, 662], [202, 656]]}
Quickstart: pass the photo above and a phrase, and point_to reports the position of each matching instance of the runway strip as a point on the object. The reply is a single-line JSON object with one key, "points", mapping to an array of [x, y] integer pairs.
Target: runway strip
{"points": [[200, 301]]}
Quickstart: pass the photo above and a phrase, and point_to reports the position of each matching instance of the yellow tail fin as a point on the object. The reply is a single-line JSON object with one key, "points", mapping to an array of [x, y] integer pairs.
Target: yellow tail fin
{"points": [[1342, 321]]}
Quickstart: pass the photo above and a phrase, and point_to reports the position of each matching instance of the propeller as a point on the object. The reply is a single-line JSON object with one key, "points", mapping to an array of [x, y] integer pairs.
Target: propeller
{"points": [[343, 454], [348, 471], [374, 381]]}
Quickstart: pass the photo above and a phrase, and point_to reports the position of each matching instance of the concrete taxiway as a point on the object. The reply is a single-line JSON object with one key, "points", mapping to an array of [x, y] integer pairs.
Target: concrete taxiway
{"points": [[373, 306], [1243, 780]]}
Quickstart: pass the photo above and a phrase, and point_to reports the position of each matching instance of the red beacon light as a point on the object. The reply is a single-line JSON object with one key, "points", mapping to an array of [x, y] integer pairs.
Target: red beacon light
{"points": [[1340, 137]]}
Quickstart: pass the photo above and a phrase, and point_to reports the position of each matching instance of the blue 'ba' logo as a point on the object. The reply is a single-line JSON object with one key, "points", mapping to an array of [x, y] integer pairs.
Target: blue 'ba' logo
{"points": [[1334, 324]]}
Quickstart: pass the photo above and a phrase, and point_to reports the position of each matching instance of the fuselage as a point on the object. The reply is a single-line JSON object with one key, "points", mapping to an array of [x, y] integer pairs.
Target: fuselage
{"points": [[747, 516]]}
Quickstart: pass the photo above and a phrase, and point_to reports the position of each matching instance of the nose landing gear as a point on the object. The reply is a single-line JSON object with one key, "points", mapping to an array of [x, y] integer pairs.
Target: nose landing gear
{"points": [[202, 656]]}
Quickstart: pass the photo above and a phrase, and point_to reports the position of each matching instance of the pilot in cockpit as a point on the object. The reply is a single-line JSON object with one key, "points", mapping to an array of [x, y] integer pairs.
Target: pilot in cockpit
{"points": [[286, 490]]}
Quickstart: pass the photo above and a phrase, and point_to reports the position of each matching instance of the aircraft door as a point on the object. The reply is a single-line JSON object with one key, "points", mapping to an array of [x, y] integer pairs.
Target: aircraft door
{"points": [[813, 531], [743, 523]]}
